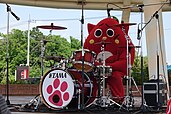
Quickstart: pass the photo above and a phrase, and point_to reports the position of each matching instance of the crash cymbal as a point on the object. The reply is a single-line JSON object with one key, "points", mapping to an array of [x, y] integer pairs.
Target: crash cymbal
{"points": [[102, 42], [51, 27], [125, 24]]}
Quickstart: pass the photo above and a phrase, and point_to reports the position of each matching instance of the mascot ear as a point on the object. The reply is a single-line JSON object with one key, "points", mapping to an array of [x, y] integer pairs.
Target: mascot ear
{"points": [[90, 27]]}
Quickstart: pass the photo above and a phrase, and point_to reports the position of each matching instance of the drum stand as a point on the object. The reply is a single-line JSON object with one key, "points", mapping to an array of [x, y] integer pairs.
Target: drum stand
{"points": [[43, 43], [103, 100], [37, 100], [129, 101]]}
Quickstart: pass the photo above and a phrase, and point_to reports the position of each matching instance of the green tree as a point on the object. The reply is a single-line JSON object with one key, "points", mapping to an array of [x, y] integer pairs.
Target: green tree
{"points": [[2, 56], [57, 46], [75, 44], [136, 69]]}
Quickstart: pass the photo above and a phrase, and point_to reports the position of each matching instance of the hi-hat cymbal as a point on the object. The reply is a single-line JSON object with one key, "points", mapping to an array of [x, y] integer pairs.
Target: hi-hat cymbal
{"points": [[125, 24], [51, 27]]}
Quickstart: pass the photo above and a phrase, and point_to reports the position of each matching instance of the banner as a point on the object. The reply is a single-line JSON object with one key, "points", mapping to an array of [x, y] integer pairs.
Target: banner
{"points": [[22, 73]]}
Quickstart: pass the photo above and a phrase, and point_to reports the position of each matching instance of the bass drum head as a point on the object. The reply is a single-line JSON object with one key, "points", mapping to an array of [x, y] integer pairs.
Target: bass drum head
{"points": [[57, 89]]}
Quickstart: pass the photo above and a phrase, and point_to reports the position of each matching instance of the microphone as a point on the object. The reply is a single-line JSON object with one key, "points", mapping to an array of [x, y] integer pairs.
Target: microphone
{"points": [[138, 33], [108, 11], [140, 5], [155, 14], [15, 16]]}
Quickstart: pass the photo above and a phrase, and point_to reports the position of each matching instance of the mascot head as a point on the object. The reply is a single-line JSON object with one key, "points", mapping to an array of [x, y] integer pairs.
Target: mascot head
{"points": [[109, 32], [106, 31]]}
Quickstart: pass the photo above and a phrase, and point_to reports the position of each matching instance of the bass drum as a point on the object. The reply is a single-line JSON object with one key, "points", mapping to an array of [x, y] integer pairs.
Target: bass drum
{"points": [[89, 91], [61, 89]]}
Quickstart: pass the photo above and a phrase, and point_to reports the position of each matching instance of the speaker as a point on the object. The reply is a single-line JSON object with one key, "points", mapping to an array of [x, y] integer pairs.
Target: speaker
{"points": [[151, 93]]}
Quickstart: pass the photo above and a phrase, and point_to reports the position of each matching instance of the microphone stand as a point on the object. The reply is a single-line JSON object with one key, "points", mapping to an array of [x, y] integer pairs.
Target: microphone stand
{"points": [[7, 57], [158, 74], [143, 105], [82, 89], [7, 53]]}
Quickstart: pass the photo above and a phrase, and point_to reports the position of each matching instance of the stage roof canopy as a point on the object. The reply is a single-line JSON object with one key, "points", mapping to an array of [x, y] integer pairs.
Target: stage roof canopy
{"points": [[88, 4]]}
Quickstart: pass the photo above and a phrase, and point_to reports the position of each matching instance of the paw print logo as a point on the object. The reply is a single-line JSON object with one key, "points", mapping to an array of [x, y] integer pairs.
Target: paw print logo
{"points": [[57, 92], [58, 95]]}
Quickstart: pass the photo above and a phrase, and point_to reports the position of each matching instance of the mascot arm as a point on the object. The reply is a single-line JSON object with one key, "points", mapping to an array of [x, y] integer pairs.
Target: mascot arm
{"points": [[120, 64]]}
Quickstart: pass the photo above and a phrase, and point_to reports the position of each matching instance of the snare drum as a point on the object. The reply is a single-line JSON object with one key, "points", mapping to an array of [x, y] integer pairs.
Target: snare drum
{"points": [[60, 89], [89, 58], [107, 72]]}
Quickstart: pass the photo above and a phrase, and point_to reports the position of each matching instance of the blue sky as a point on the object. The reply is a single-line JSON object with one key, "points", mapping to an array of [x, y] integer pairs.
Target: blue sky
{"points": [[70, 18]]}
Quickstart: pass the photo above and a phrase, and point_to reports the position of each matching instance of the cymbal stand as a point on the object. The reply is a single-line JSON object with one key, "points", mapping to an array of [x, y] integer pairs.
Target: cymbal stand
{"points": [[36, 101], [129, 101], [42, 56]]}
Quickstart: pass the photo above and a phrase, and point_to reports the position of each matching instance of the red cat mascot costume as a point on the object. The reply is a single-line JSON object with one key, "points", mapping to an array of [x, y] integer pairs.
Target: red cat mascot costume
{"points": [[106, 32], [168, 109]]}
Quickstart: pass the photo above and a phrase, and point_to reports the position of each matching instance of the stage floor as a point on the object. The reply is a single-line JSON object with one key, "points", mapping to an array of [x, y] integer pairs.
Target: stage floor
{"points": [[17, 103]]}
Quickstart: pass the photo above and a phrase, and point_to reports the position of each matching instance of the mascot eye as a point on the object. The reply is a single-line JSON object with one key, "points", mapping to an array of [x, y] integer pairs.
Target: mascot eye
{"points": [[98, 33], [110, 32]]}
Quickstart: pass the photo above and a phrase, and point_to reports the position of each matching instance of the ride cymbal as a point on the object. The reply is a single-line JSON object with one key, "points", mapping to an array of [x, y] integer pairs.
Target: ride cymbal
{"points": [[51, 27]]}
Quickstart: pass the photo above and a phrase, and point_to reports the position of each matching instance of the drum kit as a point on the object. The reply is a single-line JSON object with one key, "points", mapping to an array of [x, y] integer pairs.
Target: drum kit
{"points": [[61, 87]]}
